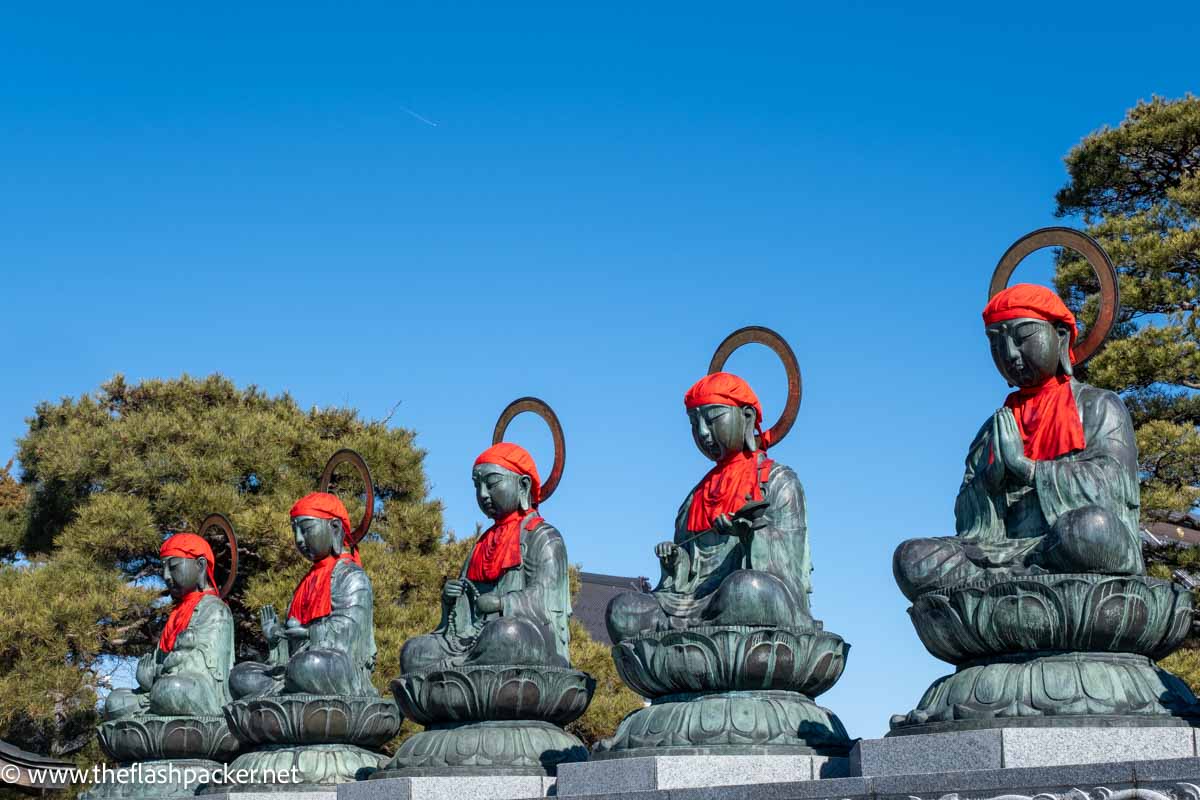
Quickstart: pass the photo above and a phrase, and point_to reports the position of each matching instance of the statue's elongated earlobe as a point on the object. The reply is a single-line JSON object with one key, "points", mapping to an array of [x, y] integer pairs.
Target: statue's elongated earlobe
{"points": [[750, 416], [337, 535], [1068, 368], [1064, 352]]}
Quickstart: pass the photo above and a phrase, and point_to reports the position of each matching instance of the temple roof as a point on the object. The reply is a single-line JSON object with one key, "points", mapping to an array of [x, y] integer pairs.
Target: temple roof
{"points": [[594, 593], [25, 761], [1172, 528]]}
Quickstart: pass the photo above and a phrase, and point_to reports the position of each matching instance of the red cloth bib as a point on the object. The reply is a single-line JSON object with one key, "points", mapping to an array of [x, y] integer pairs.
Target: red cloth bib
{"points": [[180, 617], [312, 599], [498, 549], [1048, 419], [727, 487]]}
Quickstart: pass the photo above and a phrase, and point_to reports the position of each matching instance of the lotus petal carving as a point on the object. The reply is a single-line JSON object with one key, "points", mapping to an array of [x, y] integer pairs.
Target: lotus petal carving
{"points": [[1103, 686], [1072, 612], [516, 747], [758, 722], [313, 719], [475, 693], [147, 737], [166, 779], [296, 769], [734, 657]]}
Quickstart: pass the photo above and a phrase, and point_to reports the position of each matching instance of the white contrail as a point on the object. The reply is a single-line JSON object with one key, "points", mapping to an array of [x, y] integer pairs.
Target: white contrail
{"points": [[412, 113]]}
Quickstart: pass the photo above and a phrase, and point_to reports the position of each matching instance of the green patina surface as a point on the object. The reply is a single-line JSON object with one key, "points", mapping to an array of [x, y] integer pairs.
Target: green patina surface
{"points": [[725, 647], [492, 684], [1041, 600]]}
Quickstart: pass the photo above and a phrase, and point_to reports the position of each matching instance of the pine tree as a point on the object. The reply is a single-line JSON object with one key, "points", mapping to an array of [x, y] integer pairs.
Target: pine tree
{"points": [[1137, 188], [105, 477]]}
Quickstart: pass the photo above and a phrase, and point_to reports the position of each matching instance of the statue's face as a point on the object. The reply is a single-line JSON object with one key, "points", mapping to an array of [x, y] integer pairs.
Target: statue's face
{"points": [[719, 430], [1028, 352], [500, 491], [184, 575], [317, 538]]}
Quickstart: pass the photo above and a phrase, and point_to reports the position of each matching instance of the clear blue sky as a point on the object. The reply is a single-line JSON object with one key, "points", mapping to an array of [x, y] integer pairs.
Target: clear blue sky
{"points": [[449, 206]]}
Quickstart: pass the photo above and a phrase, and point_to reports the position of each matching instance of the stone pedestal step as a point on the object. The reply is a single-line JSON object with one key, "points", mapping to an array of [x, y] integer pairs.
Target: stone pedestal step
{"points": [[652, 773], [1169, 779], [458, 787], [999, 748]]}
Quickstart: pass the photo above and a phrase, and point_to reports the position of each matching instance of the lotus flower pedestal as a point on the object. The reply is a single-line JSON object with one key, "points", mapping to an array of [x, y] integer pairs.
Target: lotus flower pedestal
{"points": [[1053, 650], [490, 720], [729, 690], [162, 757], [302, 742]]}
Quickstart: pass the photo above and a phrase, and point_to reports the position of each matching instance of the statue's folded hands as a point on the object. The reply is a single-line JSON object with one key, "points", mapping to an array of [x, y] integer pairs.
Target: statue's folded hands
{"points": [[1041, 600], [1051, 481]]}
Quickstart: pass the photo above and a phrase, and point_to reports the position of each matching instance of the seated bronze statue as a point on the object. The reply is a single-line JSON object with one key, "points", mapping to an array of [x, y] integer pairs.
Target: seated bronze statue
{"points": [[187, 674], [311, 711], [493, 685], [1051, 481], [1041, 601], [511, 603], [725, 648], [740, 552], [327, 644]]}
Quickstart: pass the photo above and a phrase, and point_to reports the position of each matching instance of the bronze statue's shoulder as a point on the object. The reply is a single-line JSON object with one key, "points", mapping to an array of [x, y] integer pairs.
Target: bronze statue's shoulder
{"points": [[1101, 407], [541, 535], [212, 607], [349, 577], [782, 473], [1094, 395]]}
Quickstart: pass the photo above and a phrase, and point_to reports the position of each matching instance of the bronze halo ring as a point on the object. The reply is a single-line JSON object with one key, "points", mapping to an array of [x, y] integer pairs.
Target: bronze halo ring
{"points": [[757, 334], [222, 522], [543, 410], [344, 456], [1098, 260]]}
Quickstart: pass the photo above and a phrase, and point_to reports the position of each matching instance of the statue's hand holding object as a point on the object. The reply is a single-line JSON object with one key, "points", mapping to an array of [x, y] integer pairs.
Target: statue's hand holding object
{"points": [[294, 630], [743, 523], [451, 589], [667, 553]]}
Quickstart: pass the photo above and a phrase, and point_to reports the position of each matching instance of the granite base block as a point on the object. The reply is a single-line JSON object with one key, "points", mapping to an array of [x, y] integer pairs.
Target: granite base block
{"points": [[1166, 779], [650, 773], [444, 787], [324, 793], [999, 748]]}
